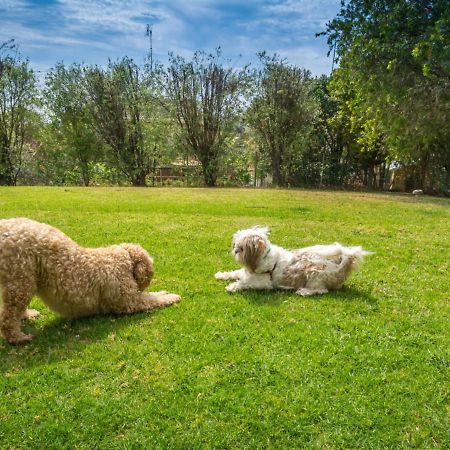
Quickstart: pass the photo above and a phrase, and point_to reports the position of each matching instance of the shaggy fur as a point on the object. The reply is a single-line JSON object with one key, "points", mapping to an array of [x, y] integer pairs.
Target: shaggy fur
{"points": [[73, 281], [308, 271]]}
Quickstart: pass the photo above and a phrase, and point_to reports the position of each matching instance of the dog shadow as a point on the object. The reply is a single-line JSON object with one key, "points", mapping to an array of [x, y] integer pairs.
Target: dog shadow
{"points": [[275, 298], [351, 294], [59, 339]]}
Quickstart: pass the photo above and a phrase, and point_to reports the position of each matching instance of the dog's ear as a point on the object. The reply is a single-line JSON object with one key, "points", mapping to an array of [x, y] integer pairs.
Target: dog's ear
{"points": [[142, 265], [262, 229], [253, 247]]}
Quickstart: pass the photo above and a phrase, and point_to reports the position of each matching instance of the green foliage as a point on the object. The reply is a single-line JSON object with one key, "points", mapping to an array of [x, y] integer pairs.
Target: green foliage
{"points": [[365, 367], [17, 99], [362, 136], [119, 104], [206, 97], [395, 55], [386, 105], [235, 163], [282, 113], [334, 139], [66, 101]]}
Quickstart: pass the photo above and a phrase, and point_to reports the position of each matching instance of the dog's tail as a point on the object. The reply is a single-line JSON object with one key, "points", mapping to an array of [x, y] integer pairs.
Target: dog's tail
{"points": [[337, 251], [356, 255], [350, 260]]}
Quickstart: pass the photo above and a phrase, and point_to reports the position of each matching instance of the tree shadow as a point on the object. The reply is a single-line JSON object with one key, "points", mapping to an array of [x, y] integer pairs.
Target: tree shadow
{"points": [[422, 199], [275, 298], [60, 339]]}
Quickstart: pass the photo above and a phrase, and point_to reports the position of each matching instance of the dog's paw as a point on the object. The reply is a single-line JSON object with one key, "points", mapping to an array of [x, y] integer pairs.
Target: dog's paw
{"points": [[220, 276], [159, 293], [169, 299], [305, 292], [233, 287], [31, 314], [21, 339]]}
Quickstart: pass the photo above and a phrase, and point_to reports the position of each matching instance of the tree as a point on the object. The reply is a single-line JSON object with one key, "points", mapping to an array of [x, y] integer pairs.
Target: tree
{"points": [[67, 104], [364, 154], [333, 133], [397, 54], [206, 97], [282, 109], [17, 98], [118, 99]]}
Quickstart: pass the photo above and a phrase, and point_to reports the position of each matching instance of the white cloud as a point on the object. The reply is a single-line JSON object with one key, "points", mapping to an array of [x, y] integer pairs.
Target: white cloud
{"points": [[13, 6], [75, 30], [107, 14], [310, 58], [304, 7], [30, 37]]}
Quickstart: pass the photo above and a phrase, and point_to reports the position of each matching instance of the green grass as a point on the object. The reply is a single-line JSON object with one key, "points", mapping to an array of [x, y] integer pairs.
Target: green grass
{"points": [[364, 367]]}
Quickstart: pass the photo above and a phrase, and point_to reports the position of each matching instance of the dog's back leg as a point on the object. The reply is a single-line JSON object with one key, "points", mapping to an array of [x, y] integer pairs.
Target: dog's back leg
{"points": [[320, 281], [16, 297], [311, 291]]}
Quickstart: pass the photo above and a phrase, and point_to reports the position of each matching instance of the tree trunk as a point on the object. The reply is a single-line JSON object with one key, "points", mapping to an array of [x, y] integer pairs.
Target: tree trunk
{"points": [[139, 179], [6, 180], [335, 172], [365, 176], [279, 178], [370, 176], [255, 168], [424, 165], [447, 179], [85, 174], [277, 172], [382, 176], [210, 169], [6, 177]]}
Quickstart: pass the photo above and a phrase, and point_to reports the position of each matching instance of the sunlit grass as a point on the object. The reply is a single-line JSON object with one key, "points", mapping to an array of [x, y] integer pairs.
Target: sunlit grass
{"points": [[365, 367]]}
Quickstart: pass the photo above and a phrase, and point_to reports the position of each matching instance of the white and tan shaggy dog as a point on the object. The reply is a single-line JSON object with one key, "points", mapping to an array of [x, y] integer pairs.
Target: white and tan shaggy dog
{"points": [[73, 281], [308, 271]]}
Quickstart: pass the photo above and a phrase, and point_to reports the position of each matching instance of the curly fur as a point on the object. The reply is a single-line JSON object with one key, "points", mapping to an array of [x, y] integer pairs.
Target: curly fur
{"points": [[308, 271], [73, 281]]}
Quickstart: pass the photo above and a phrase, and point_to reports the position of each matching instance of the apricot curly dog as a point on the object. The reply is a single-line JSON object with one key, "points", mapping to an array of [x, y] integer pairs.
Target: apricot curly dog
{"points": [[73, 281]]}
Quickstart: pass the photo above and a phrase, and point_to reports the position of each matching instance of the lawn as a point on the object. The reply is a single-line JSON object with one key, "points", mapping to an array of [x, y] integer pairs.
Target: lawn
{"points": [[364, 367]]}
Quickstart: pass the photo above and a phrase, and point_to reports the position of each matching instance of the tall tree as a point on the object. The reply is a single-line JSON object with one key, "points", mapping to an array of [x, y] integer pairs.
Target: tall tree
{"points": [[118, 99], [17, 98], [333, 134], [397, 53], [364, 154], [206, 97], [283, 108], [67, 104]]}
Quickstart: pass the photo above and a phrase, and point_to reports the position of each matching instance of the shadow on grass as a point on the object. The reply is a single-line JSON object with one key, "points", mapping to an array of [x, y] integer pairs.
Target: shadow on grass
{"points": [[421, 199], [349, 294], [275, 298], [60, 339]]}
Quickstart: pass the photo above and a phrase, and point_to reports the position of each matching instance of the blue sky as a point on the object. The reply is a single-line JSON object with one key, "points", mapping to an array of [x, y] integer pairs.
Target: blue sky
{"points": [[92, 31]]}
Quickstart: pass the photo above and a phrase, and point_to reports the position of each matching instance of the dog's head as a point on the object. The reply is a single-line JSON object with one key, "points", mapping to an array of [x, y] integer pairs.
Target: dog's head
{"points": [[142, 264], [249, 246]]}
